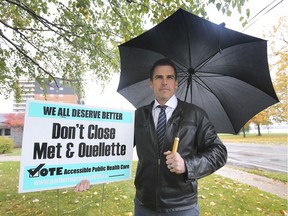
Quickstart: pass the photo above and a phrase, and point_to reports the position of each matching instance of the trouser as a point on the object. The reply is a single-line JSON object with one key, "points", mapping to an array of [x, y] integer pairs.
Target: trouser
{"points": [[140, 210]]}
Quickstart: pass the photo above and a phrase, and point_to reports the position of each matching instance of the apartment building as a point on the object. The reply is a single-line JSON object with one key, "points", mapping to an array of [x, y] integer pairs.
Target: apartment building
{"points": [[59, 92], [31, 90]]}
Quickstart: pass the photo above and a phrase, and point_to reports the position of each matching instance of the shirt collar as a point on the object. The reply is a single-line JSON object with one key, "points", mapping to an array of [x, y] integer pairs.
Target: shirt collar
{"points": [[172, 103]]}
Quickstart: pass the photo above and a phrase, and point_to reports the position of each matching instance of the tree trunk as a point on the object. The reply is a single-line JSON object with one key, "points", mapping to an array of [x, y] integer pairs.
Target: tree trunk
{"points": [[259, 132], [244, 134]]}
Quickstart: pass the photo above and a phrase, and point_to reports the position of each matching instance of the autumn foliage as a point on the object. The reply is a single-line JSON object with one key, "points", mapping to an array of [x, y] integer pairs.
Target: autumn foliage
{"points": [[14, 119]]}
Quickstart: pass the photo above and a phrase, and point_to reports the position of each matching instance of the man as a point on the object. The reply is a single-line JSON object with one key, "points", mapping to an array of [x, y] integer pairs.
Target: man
{"points": [[166, 182]]}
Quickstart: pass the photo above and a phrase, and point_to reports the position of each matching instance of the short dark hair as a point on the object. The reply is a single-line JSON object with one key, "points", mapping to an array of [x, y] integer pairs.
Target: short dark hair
{"points": [[163, 62]]}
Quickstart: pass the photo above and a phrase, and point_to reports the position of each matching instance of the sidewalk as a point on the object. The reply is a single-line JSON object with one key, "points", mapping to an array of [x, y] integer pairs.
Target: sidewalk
{"points": [[4, 158], [262, 183]]}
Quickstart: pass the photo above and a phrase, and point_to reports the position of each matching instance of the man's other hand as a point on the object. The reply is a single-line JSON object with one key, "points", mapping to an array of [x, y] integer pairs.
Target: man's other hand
{"points": [[82, 186]]}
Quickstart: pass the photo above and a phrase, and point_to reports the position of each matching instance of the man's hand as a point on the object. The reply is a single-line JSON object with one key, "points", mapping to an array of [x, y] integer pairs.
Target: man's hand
{"points": [[82, 186], [175, 162]]}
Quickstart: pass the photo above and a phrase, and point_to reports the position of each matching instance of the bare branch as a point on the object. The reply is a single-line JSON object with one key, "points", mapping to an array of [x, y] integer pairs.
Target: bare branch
{"points": [[44, 22], [21, 35], [27, 56], [64, 6], [162, 5], [119, 15], [144, 5], [22, 29]]}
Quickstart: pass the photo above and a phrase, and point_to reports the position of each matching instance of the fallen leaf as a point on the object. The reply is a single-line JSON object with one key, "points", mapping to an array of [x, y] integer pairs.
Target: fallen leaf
{"points": [[212, 203], [283, 212], [222, 196], [35, 200], [202, 197]]}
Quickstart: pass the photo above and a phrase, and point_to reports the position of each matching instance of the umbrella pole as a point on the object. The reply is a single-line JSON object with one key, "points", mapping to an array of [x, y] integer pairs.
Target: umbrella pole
{"points": [[189, 81], [177, 139]]}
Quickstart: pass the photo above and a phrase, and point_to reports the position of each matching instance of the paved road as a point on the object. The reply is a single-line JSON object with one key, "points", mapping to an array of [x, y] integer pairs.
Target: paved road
{"points": [[268, 157]]}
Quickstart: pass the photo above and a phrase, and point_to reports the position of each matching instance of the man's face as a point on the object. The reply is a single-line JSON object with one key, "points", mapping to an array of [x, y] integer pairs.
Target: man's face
{"points": [[163, 83]]}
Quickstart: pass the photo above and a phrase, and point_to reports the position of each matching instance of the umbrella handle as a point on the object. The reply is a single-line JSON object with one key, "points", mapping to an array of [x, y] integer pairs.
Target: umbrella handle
{"points": [[175, 144]]}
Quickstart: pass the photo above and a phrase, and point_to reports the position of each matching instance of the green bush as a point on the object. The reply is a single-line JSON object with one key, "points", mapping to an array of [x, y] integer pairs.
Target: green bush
{"points": [[6, 145]]}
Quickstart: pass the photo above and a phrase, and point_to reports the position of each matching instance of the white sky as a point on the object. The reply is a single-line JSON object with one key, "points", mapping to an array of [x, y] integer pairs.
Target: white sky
{"points": [[110, 98]]}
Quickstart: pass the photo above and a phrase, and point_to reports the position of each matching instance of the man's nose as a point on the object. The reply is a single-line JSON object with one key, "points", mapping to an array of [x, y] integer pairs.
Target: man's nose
{"points": [[164, 81]]}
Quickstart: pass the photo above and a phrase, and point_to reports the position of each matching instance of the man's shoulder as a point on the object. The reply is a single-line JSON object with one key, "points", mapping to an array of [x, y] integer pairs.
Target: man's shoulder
{"points": [[192, 110], [189, 106], [147, 106]]}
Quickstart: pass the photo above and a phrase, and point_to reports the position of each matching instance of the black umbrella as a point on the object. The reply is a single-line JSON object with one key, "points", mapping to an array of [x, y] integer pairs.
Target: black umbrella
{"points": [[223, 71]]}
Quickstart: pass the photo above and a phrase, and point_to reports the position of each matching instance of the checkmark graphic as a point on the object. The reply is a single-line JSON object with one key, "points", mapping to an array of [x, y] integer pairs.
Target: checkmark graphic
{"points": [[32, 172]]}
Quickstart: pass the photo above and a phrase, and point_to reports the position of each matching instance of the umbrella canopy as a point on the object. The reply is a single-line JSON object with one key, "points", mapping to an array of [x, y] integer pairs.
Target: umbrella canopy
{"points": [[220, 70]]}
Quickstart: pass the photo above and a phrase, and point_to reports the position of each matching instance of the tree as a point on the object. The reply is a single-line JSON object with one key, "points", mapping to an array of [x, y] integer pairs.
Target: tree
{"points": [[278, 57], [261, 118], [41, 40], [279, 50], [14, 119], [246, 128]]}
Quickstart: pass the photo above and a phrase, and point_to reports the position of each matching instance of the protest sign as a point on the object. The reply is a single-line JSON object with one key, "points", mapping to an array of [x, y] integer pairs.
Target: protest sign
{"points": [[64, 144]]}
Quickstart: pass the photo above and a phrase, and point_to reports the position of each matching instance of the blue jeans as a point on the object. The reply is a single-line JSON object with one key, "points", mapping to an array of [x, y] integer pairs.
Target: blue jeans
{"points": [[140, 210]]}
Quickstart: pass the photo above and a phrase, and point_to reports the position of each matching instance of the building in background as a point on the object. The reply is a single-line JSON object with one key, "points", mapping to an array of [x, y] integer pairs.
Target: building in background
{"points": [[28, 88], [59, 92], [11, 125]]}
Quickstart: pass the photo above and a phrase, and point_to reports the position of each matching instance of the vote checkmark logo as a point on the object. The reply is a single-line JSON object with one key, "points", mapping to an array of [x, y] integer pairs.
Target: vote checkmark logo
{"points": [[33, 172]]}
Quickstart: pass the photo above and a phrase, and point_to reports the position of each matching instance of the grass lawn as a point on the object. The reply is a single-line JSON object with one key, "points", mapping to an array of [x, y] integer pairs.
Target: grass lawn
{"points": [[217, 196], [15, 152], [271, 138], [279, 176]]}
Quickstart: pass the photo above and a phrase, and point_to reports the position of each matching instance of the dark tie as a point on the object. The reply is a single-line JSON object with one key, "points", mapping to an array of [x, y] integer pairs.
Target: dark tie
{"points": [[161, 126]]}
